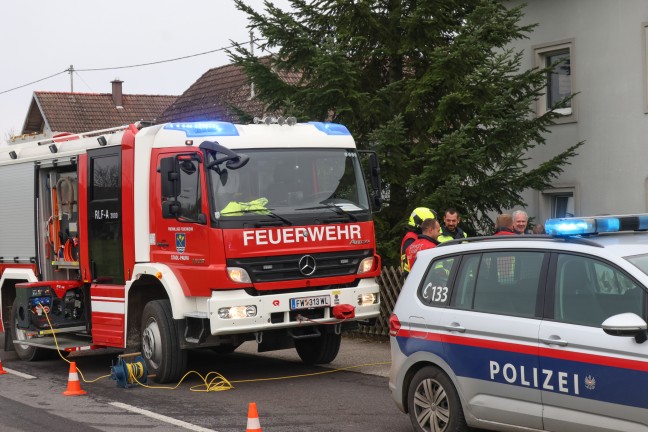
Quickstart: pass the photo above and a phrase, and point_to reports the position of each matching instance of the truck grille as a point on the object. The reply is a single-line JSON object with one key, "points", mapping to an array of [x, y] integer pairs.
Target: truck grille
{"points": [[286, 267]]}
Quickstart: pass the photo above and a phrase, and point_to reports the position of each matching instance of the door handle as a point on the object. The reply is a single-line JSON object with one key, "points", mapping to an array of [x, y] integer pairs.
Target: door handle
{"points": [[455, 327], [162, 244], [554, 340]]}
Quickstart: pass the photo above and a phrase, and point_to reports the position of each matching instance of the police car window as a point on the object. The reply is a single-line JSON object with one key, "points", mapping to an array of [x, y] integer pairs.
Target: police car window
{"points": [[589, 291], [507, 282], [465, 286], [435, 290]]}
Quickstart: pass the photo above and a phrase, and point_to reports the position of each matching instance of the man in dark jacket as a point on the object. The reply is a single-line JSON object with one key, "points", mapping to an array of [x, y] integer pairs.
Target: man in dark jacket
{"points": [[450, 229]]}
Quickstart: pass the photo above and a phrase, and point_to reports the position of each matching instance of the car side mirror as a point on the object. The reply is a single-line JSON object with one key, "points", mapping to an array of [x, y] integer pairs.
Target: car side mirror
{"points": [[628, 325]]}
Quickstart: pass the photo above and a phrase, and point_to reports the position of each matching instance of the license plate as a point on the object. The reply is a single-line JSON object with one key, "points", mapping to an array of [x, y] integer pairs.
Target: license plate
{"points": [[310, 302]]}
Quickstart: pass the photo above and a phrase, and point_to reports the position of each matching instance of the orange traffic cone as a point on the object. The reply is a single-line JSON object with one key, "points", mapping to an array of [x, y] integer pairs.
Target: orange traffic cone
{"points": [[253, 424], [74, 386], [2, 371]]}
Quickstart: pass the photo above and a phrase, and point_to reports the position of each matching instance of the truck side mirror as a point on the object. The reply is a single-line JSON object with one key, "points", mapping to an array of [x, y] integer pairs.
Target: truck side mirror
{"points": [[171, 209], [170, 177], [374, 171], [374, 174]]}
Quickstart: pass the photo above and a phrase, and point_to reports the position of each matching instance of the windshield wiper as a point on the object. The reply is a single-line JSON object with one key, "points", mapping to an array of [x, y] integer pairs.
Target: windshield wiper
{"points": [[333, 207], [261, 211]]}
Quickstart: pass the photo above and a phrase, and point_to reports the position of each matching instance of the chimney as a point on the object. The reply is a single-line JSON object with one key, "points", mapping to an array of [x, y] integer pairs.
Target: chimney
{"points": [[117, 92]]}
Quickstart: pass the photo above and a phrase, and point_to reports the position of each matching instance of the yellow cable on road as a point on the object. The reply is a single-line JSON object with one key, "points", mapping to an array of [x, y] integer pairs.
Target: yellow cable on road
{"points": [[217, 383]]}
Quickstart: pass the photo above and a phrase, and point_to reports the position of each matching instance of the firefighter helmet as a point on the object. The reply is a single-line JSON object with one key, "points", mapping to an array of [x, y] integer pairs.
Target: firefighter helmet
{"points": [[419, 215]]}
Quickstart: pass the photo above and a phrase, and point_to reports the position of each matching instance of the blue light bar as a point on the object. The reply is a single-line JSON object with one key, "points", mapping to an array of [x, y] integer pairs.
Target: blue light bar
{"points": [[570, 226], [331, 128], [612, 224], [204, 129], [596, 224]]}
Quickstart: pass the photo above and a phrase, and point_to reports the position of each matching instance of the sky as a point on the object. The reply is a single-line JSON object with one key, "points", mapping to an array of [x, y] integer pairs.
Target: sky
{"points": [[40, 38]]}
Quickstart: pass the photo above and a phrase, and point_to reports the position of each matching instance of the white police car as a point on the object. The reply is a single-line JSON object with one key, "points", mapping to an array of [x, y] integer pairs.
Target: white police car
{"points": [[527, 332]]}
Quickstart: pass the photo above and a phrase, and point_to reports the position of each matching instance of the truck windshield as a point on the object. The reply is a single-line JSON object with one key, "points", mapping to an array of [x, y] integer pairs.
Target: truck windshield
{"points": [[290, 181]]}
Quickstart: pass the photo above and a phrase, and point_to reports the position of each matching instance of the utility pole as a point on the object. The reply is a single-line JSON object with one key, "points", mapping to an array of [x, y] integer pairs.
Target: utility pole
{"points": [[71, 72], [252, 52]]}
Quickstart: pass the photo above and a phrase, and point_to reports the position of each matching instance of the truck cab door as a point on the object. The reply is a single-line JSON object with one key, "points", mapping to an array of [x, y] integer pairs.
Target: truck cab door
{"points": [[179, 234], [105, 236]]}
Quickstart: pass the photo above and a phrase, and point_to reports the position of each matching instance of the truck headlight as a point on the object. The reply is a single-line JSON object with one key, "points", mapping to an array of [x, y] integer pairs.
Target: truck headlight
{"points": [[236, 312], [238, 274], [366, 265]]}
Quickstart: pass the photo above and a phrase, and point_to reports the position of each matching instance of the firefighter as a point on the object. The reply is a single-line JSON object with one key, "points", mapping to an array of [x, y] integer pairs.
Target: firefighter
{"points": [[413, 230], [430, 230], [450, 229]]}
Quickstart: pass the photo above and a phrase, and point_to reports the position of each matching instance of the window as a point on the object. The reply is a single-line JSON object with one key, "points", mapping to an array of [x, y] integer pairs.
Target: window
{"points": [[435, 290], [589, 291], [558, 55], [500, 282], [190, 193], [559, 202]]}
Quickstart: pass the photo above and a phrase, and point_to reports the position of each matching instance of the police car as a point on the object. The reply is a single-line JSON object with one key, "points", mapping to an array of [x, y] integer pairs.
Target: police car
{"points": [[527, 332]]}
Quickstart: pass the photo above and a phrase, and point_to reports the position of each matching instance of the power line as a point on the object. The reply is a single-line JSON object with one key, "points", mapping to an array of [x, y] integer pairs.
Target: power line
{"points": [[156, 62], [126, 67], [34, 82]]}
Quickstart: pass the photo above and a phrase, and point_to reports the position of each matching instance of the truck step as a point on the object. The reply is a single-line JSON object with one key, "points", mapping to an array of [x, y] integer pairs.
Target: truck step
{"points": [[66, 342]]}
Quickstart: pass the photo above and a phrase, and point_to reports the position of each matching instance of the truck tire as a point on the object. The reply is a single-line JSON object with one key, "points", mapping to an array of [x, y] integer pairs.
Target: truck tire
{"points": [[433, 403], [160, 343], [319, 350], [25, 352]]}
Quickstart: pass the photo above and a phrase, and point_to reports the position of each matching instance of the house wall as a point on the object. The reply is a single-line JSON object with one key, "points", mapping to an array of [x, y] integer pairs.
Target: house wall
{"points": [[610, 173]]}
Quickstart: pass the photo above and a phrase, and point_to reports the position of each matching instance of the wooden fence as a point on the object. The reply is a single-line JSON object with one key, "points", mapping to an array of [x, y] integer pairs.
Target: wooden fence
{"points": [[390, 286]]}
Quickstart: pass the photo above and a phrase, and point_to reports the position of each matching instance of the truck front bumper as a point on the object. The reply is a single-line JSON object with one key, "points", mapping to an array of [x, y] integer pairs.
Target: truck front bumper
{"points": [[273, 311]]}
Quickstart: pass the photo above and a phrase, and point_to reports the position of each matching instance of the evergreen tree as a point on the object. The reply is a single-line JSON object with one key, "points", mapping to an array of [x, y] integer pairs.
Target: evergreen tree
{"points": [[431, 85]]}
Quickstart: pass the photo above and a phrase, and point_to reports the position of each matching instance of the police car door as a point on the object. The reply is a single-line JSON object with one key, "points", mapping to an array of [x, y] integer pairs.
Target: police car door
{"points": [[491, 333], [591, 381]]}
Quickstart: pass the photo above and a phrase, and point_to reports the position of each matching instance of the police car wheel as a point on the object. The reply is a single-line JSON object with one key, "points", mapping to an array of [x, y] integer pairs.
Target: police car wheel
{"points": [[433, 403], [319, 350], [25, 352], [160, 343]]}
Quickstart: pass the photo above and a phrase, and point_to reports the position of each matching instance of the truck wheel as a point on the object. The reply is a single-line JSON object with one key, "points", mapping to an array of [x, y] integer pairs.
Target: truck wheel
{"points": [[433, 403], [25, 352], [319, 350], [160, 343]]}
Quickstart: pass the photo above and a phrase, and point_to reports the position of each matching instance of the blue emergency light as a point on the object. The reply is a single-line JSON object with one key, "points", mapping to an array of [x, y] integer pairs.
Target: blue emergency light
{"points": [[204, 129], [595, 224], [331, 128]]}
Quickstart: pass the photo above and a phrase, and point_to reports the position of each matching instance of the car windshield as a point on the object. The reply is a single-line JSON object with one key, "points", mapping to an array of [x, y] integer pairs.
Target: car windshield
{"points": [[290, 181], [639, 261]]}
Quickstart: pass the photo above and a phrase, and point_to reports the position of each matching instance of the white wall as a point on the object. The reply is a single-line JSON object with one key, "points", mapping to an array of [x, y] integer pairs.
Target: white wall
{"points": [[608, 67]]}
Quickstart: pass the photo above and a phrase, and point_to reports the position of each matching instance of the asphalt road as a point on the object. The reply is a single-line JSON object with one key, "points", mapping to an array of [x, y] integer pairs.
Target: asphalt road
{"points": [[290, 396]]}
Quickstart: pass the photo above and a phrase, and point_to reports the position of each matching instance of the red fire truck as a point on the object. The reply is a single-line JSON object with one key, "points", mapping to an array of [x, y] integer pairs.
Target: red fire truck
{"points": [[176, 236]]}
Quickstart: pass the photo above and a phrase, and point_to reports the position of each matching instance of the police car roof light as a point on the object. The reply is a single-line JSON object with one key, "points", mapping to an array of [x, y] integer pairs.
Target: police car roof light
{"points": [[204, 129], [596, 224]]}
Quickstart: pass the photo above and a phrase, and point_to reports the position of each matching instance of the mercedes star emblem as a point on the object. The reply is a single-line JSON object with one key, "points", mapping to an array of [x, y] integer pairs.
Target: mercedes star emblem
{"points": [[307, 265]]}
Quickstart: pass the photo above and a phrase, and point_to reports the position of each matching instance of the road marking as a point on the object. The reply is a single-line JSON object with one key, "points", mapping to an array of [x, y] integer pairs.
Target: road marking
{"points": [[20, 374], [161, 417]]}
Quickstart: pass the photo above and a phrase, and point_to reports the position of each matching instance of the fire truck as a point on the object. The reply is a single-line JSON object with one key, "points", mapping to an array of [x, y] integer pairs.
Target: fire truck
{"points": [[164, 238]]}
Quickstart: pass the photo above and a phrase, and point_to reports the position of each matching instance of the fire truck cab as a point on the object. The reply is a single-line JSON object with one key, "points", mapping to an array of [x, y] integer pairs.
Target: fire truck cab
{"points": [[176, 236]]}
